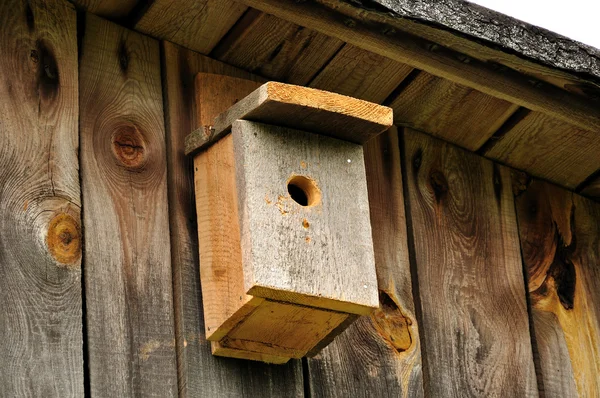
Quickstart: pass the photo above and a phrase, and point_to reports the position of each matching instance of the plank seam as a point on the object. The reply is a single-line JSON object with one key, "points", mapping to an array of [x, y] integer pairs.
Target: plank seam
{"points": [[412, 258]]}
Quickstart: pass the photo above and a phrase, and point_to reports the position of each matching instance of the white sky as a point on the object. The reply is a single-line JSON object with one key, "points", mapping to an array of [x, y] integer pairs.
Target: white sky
{"points": [[576, 19]]}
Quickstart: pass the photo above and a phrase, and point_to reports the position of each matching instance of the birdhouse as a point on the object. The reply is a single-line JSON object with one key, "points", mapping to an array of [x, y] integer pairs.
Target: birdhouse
{"points": [[286, 252]]}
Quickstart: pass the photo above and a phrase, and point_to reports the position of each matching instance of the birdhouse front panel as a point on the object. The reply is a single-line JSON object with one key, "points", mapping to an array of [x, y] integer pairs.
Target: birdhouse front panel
{"points": [[304, 212]]}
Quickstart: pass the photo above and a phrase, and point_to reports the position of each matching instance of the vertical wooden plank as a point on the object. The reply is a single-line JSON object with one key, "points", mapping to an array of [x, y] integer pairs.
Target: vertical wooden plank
{"points": [[560, 240], [475, 327], [379, 354], [199, 372], [40, 232], [128, 263]]}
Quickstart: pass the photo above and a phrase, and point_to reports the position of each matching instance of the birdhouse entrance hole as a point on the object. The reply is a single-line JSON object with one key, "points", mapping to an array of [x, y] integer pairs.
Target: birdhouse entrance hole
{"points": [[304, 191]]}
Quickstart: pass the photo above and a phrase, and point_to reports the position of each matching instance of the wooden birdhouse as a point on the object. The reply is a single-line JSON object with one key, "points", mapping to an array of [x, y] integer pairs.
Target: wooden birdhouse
{"points": [[286, 253]]}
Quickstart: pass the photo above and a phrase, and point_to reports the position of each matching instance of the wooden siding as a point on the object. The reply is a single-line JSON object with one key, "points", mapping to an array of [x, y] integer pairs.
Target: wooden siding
{"points": [[460, 90], [560, 240], [453, 317], [465, 244], [129, 298], [41, 343]]}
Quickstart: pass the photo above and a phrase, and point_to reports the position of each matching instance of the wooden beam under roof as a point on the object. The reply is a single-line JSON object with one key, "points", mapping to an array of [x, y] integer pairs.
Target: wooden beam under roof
{"points": [[405, 41]]}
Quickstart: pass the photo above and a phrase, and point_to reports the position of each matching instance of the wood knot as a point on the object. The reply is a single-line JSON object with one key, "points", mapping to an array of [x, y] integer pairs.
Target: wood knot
{"points": [[129, 147], [417, 160], [48, 80], [123, 56], [64, 239], [439, 184], [392, 324]]}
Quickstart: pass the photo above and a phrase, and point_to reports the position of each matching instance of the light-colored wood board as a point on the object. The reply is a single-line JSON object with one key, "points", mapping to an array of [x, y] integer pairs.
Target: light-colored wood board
{"points": [[379, 354], [276, 49], [428, 56], [283, 329], [40, 226], [465, 243], [112, 9], [455, 113], [197, 25], [200, 373], [223, 294], [129, 298], [560, 240], [548, 148], [219, 350], [361, 74], [301, 108], [322, 251]]}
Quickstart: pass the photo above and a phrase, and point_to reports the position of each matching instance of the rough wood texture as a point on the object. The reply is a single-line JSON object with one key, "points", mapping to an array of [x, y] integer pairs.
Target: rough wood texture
{"points": [[223, 294], [560, 240], [200, 373], [197, 25], [112, 9], [447, 110], [40, 225], [223, 290], [361, 74], [548, 148], [379, 354], [464, 239], [279, 330], [131, 340], [319, 253], [302, 108], [344, 21], [276, 49], [472, 21]]}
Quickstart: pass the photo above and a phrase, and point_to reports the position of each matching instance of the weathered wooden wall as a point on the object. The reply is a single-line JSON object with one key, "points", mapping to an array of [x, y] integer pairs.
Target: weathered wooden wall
{"points": [[481, 292]]}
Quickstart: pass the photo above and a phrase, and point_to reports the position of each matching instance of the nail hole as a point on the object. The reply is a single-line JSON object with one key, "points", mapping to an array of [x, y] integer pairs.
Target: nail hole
{"points": [[304, 191]]}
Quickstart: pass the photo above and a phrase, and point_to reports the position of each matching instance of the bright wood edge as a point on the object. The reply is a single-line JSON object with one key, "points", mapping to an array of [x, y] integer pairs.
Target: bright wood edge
{"points": [[381, 117], [477, 75], [311, 301], [235, 319], [218, 350]]}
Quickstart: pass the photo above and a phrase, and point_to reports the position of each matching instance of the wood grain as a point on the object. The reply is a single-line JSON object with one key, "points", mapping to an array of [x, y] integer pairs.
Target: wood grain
{"points": [[224, 298], [129, 298], [560, 240], [276, 49], [319, 254], [548, 148], [361, 74], [462, 226], [40, 226], [197, 25], [283, 330], [200, 373], [343, 21], [302, 108], [379, 355], [447, 110]]}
